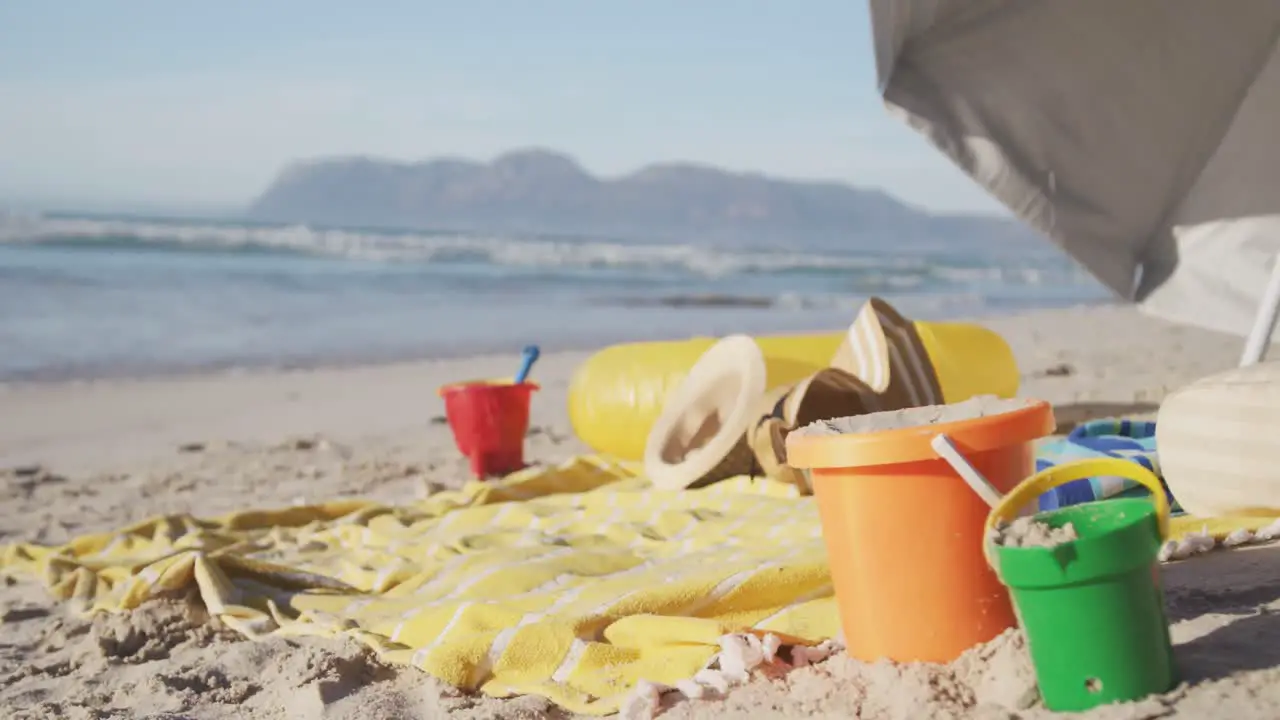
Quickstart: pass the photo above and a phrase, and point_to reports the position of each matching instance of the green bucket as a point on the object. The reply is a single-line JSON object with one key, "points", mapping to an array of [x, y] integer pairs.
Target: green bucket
{"points": [[1092, 609]]}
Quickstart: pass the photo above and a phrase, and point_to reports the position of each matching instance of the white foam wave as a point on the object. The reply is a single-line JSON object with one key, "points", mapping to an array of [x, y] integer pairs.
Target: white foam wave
{"points": [[930, 304], [897, 273], [422, 247]]}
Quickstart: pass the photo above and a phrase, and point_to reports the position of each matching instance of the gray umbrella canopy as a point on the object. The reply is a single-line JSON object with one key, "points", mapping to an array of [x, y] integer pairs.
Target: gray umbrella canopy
{"points": [[1142, 136]]}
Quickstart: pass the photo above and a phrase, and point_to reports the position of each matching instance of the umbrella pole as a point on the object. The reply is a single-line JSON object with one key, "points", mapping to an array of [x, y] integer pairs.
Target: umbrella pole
{"points": [[1264, 323]]}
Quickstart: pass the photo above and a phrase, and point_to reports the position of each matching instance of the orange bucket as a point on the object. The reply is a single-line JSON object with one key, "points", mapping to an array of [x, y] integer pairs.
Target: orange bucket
{"points": [[904, 533]]}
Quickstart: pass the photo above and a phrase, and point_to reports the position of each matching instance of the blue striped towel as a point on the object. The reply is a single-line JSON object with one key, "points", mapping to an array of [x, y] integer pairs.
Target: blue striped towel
{"points": [[1133, 440]]}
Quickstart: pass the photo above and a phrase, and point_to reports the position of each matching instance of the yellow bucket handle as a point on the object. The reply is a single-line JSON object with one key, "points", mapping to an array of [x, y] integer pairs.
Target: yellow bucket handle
{"points": [[1052, 477]]}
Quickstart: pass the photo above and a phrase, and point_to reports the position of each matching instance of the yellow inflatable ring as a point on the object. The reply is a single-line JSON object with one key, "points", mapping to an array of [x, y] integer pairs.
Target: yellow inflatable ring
{"points": [[616, 394]]}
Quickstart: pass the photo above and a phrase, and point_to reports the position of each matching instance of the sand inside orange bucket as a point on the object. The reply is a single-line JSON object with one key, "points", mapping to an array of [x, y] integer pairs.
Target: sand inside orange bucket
{"points": [[975, 407]]}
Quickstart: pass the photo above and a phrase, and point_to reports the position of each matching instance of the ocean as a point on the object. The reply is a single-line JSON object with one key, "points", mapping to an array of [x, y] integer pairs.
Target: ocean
{"points": [[95, 296]]}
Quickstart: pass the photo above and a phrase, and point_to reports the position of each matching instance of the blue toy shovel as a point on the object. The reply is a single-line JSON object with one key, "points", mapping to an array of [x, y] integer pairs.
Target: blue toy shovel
{"points": [[527, 359]]}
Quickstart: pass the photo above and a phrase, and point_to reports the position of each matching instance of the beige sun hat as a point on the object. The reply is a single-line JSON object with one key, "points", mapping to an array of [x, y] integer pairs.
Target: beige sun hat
{"points": [[700, 437]]}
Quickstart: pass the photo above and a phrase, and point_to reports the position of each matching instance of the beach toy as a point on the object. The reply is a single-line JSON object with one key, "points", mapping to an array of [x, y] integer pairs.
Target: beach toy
{"points": [[904, 532], [489, 419], [701, 435], [1092, 608], [617, 394], [948, 451], [1217, 441], [527, 358]]}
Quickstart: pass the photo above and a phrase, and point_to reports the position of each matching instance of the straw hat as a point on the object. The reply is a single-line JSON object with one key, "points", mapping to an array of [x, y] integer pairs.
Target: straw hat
{"points": [[884, 350], [700, 437]]}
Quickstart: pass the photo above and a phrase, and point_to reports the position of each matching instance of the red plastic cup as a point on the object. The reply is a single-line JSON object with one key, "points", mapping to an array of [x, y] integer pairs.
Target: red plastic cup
{"points": [[489, 420]]}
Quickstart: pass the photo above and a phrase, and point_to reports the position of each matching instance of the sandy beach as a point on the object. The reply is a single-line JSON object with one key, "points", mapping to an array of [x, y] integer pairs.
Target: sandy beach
{"points": [[82, 457]]}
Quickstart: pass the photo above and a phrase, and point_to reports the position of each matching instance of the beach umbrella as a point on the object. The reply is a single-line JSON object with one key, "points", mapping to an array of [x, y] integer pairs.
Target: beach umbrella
{"points": [[1141, 136]]}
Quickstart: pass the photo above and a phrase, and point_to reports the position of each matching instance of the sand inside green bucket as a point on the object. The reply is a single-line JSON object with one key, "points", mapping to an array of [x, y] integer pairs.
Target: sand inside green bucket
{"points": [[1033, 532]]}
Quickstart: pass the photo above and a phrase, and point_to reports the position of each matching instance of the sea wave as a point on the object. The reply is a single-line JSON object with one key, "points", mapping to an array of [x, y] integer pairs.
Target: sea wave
{"points": [[930, 303], [899, 270]]}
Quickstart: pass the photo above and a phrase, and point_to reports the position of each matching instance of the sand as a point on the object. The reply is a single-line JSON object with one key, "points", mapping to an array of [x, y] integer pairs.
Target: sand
{"points": [[1026, 532], [92, 456], [975, 407]]}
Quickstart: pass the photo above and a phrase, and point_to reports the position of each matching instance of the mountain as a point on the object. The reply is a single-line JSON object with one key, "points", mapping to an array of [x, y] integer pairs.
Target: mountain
{"points": [[543, 192]]}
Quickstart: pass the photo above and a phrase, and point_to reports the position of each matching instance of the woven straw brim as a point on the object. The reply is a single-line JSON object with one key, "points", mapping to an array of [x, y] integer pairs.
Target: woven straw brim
{"points": [[723, 385]]}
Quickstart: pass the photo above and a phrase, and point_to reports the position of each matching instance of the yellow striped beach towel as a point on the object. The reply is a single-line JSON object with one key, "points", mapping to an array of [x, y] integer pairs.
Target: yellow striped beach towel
{"points": [[574, 582]]}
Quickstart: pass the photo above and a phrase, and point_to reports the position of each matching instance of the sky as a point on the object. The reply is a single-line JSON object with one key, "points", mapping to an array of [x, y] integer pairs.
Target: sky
{"points": [[194, 104]]}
